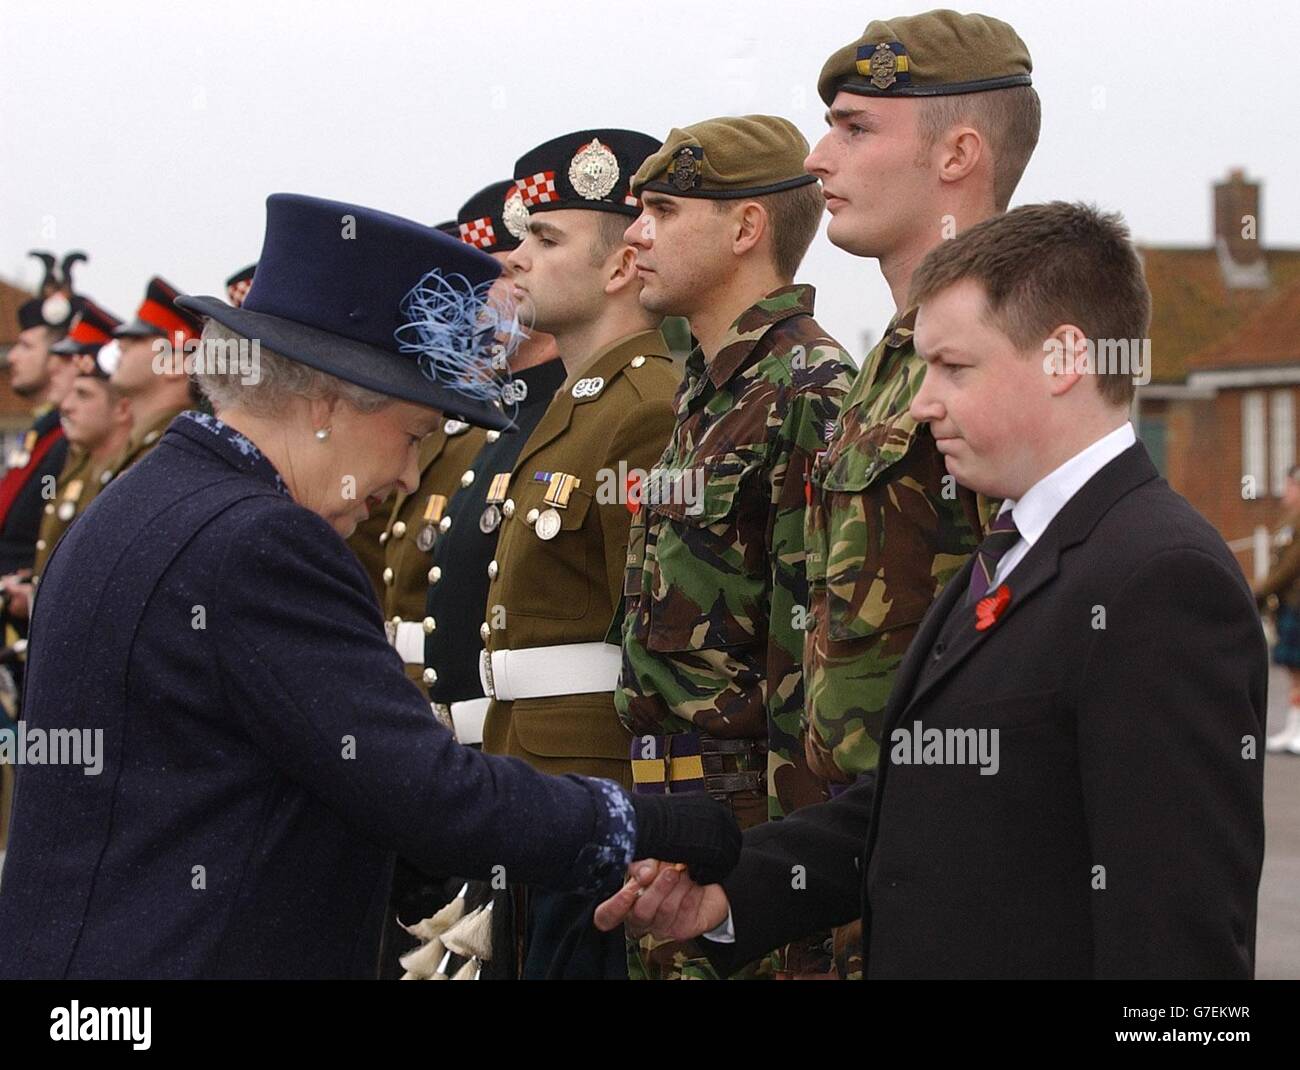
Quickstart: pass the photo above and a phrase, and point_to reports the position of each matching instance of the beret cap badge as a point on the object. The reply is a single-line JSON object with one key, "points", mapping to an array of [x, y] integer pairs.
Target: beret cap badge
{"points": [[684, 170], [593, 172], [515, 214], [883, 64]]}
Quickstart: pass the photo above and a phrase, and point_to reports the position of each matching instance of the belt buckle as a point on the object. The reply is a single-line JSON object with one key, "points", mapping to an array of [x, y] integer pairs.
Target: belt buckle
{"points": [[489, 684]]}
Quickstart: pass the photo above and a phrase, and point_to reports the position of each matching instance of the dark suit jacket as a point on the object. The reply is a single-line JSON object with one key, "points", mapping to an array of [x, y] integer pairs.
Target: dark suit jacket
{"points": [[264, 753], [1123, 833]]}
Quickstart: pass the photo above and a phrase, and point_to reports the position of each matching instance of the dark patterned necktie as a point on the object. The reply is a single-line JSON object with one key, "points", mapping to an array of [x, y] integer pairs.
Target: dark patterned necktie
{"points": [[1003, 534]]}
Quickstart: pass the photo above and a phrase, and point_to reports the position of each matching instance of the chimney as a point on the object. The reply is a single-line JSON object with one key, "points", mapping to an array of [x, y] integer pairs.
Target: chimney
{"points": [[1237, 232]]}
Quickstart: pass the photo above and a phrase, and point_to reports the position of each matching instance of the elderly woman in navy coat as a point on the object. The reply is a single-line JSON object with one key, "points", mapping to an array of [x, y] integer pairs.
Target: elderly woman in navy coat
{"points": [[263, 754]]}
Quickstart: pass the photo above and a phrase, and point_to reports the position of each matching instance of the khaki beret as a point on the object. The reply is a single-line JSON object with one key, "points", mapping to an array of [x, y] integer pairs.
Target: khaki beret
{"points": [[734, 156], [939, 53]]}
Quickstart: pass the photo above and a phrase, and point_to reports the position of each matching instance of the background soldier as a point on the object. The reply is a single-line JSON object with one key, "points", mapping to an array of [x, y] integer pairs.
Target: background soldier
{"points": [[157, 396], [712, 679], [556, 580], [96, 420], [35, 374], [888, 527]]}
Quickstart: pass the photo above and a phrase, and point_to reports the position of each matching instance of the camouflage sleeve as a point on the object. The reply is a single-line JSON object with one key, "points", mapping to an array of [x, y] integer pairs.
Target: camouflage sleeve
{"points": [[890, 539], [803, 434]]}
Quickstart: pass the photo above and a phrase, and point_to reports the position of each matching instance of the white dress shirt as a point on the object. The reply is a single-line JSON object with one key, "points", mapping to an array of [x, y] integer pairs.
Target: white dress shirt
{"points": [[1041, 502], [1034, 511]]}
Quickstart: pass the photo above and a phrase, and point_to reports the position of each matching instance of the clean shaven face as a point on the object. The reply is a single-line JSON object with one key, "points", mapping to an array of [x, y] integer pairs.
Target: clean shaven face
{"points": [[681, 248], [875, 174], [554, 282], [986, 402]]}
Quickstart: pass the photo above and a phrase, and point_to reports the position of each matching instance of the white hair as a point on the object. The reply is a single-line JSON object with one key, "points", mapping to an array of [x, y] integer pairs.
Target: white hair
{"points": [[279, 379]]}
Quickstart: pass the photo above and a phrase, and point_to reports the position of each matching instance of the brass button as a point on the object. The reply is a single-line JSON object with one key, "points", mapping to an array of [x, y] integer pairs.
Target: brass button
{"points": [[383, 537], [467, 478], [492, 570], [49, 509], [484, 631], [444, 525], [388, 577], [429, 625], [397, 621], [530, 517], [429, 677], [637, 361], [399, 529], [435, 574], [508, 508], [40, 544]]}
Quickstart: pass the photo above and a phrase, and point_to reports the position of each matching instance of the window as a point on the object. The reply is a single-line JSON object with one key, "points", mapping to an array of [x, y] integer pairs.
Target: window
{"points": [[1254, 444], [1281, 453]]}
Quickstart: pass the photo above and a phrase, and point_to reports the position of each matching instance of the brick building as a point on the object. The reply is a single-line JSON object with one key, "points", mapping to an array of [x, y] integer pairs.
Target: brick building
{"points": [[1220, 413]]}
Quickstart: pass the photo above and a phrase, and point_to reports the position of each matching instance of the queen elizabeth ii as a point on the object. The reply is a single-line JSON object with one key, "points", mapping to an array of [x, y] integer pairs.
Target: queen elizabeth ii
{"points": [[264, 756]]}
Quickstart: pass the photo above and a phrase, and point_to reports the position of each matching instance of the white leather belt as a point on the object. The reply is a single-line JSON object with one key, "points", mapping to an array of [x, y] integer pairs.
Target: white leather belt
{"points": [[543, 671], [466, 718], [408, 641]]}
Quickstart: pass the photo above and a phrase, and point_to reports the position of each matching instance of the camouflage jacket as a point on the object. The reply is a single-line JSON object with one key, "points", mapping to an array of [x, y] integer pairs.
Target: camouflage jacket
{"points": [[715, 590], [887, 528]]}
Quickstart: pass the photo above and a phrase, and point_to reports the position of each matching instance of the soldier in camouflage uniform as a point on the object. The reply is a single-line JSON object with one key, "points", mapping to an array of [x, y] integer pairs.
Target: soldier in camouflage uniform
{"points": [[715, 590], [888, 527]]}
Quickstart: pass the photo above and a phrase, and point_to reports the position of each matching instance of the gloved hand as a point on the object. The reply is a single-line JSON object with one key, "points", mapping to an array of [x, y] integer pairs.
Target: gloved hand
{"points": [[693, 828]]}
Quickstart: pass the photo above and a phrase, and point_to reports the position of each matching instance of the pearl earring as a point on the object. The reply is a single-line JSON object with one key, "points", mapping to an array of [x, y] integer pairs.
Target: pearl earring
{"points": [[323, 433]]}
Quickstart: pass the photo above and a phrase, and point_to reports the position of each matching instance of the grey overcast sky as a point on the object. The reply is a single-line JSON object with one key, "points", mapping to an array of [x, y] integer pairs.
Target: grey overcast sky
{"points": [[149, 134]]}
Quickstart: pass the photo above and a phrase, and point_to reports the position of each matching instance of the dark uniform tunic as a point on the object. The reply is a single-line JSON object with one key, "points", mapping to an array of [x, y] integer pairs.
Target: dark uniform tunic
{"points": [[44, 453]]}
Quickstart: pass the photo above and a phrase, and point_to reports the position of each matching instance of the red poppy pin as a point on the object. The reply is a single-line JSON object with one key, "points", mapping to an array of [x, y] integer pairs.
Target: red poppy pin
{"points": [[633, 489], [989, 609]]}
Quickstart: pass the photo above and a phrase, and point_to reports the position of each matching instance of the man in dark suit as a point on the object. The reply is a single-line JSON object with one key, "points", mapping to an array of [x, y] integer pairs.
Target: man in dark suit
{"points": [[1073, 786]]}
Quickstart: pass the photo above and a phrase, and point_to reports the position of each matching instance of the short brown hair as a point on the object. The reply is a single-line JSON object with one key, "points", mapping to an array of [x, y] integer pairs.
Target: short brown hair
{"points": [[793, 216], [1043, 265], [1009, 119], [610, 228]]}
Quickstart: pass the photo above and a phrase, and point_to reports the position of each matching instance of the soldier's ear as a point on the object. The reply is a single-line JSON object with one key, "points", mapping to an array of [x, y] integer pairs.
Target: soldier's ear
{"points": [[751, 225], [623, 271]]}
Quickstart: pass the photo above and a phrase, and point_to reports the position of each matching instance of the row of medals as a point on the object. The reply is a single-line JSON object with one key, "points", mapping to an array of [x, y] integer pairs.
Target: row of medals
{"points": [[546, 522]]}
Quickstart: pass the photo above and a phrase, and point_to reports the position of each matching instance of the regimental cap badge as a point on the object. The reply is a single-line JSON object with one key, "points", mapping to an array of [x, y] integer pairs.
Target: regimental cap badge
{"points": [[684, 168], [886, 64], [593, 172], [515, 214]]}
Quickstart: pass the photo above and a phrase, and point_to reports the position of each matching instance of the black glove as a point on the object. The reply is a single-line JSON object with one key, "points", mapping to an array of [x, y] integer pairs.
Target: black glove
{"points": [[693, 828]]}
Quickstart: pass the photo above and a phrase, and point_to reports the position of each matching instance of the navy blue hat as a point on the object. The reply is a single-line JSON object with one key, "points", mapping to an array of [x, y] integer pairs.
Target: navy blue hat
{"points": [[383, 302], [585, 169]]}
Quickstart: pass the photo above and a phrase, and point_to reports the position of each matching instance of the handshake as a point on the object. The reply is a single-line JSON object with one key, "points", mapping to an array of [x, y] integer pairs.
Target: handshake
{"points": [[682, 899]]}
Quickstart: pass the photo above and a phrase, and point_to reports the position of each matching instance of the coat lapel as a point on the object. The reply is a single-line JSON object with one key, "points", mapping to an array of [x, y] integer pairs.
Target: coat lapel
{"points": [[1039, 567]]}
